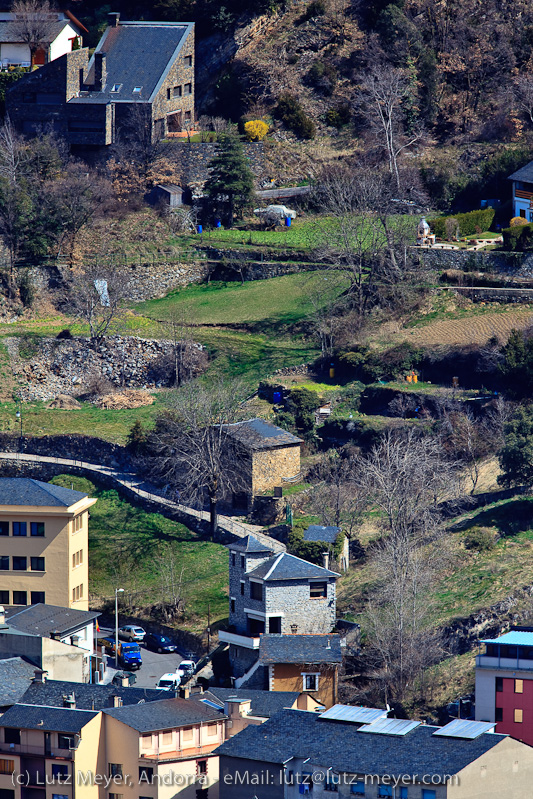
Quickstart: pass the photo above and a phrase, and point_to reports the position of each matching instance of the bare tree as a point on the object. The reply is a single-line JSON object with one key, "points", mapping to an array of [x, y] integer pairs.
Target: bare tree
{"points": [[522, 91], [33, 23], [96, 294], [171, 584], [189, 359], [335, 497], [190, 451]]}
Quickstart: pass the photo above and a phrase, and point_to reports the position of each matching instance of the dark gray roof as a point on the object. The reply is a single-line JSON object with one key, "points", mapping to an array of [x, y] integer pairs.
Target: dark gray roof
{"points": [[87, 697], [249, 544], [15, 677], [138, 54], [316, 532], [164, 714], [264, 703], [340, 746], [525, 173], [27, 491], [258, 434], [51, 719], [300, 649], [45, 619], [8, 36], [289, 567]]}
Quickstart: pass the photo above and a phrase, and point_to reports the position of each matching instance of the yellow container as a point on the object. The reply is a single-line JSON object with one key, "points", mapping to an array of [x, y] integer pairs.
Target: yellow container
{"points": [[415, 378], [332, 372], [409, 378]]}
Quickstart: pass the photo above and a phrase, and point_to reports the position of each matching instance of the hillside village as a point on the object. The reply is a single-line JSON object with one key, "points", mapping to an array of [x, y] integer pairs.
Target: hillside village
{"points": [[266, 433]]}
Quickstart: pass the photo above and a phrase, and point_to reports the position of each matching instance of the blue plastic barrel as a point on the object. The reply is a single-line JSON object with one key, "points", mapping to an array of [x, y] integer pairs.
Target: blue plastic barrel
{"points": [[288, 221], [276, 397], [199, 228], [218, 223]]}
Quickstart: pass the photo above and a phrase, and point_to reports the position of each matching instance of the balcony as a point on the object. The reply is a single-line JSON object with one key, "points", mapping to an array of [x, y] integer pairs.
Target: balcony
{"points": [[180, 754], [238, 640], [508, 664], [523, 195], [37, 751]]}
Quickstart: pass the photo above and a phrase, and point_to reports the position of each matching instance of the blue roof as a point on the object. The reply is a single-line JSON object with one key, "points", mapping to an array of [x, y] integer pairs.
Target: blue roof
{"points": [[316, 532], [514, 638], [27, 491]]}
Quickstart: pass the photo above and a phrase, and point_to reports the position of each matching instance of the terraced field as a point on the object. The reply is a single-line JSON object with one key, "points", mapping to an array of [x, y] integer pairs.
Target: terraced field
{"points": [[475, 329]]}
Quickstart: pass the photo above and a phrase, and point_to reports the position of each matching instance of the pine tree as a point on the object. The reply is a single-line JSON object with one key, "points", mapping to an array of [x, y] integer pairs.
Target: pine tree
{"points": [[231, 183]]}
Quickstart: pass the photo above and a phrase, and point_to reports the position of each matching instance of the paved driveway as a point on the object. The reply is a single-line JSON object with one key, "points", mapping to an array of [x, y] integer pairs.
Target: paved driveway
{"points": [[153, 667]]}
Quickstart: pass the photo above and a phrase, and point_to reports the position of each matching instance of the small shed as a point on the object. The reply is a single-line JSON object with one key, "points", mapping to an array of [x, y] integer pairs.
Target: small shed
{"points": [[168, 194], [328, 535]]}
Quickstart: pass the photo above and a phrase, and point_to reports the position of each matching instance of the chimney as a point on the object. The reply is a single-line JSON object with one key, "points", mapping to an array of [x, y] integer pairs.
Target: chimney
{"points": [[197, 689], [40, 676], [184, 693], [294, 629], [117, 701], [125, 681], [55, 634], [113, 18], [100, 72], [70, 701], [325, 560]]}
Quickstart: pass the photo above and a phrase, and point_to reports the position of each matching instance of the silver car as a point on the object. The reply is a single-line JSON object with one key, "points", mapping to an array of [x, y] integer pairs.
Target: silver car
{"points": [[131, 632]]}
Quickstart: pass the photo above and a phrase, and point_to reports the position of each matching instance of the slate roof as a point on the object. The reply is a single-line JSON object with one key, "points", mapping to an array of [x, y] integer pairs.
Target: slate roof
{"points": [[249, 544], [340, 746], [88, 697], [137, 54], [45, 619], [289, 567], [15, 677], [264, 703], [27, 491], [525, 173], [300, 649], [164, 714], [7, 35], [51, 719], [316, 532], [257, 434]]}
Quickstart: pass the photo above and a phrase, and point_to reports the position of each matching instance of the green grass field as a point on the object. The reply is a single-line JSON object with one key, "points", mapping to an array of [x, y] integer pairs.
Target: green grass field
{"points": [[130, 547]]}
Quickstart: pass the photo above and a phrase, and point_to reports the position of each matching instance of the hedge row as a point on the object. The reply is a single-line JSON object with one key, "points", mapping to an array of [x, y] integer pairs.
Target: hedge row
{"points": [[469, 224], [518, 238]]}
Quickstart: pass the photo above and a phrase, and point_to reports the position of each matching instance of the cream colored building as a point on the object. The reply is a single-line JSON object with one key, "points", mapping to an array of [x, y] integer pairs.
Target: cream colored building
{"points": [[43, 544]]}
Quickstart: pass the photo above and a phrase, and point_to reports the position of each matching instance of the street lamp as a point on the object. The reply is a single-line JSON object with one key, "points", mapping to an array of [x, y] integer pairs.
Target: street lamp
{"points": [[117, 592], [19, 417]]}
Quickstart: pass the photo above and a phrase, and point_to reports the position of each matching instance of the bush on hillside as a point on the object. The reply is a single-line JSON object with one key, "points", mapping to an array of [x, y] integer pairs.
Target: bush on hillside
{"points": [[291, 113], [469, 224], [518, 238], [255, 130], [479, 538], [339, 116]]}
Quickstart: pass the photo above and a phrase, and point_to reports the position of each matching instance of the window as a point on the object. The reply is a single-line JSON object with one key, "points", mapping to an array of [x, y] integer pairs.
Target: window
{"points": [[243, 562], [310, 682], [6, 794], [233, 558], [37, 598], [4, 528], [115, 769], [60, 796], [212, 729], [146, 741], [4, 563], [242, 587], [4, 597], [116, 87], [188, 88], [37, 564], [499, 714], [65, 741], [232, 605], [77, 593], [318, 590], [187, 116], [256, 591], [202, 766], [7, 766], [137, 89], [176, 91], [77, 523], [167, 738], [187, 60], [522, 213], [115, 795], [332, 782], [426, 794], [401, 793], [20, 528], [358, 788], [37, 529], [187, 734], [20, 597], [499, 684], [385, 790], [274, 625], [519, 686], [146, 774], [59, 772], [168, 94], [77, 558], [11, 735], [518, 715], [20, 564]]}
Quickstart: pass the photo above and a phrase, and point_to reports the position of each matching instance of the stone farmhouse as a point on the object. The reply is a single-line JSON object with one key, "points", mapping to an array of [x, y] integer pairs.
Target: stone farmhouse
{"points": [[354, 752], [139, 81], [67, 32]]}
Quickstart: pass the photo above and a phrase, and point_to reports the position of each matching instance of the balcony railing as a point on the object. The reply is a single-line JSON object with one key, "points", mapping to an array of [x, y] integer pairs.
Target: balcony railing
{"points": [[510, 664], [180, 754], [523, 195], [39, 751], [248, 642]]}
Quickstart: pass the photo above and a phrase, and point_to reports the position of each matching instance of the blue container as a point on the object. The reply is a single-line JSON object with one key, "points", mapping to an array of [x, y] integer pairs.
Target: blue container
{"points": [[288, 221], [276, 397], [199, 228], [218, 223]]}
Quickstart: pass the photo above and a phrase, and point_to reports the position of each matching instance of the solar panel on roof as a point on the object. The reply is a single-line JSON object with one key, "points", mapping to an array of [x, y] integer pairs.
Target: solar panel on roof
{"points": [[391, 726], [360, 715], [459, 728], [211, 704]]}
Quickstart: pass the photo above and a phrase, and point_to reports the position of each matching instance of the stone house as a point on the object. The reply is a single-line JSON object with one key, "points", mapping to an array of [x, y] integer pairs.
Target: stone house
{"points": [[270, 456], [355, 752], [138, 82], [273, 593], [66, 32]]}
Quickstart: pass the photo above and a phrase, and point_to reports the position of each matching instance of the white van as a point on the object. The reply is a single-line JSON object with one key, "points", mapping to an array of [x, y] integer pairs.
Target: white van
{"points": [[169, 681]]}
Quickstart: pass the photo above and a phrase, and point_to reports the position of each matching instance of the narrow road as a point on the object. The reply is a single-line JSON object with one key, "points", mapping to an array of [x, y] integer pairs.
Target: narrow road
{"points": [[132, 483]]}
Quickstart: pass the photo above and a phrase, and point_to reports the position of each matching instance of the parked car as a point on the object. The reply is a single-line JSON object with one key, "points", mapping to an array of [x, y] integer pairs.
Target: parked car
{"points": [[129, 656], [169, 681], [119, 676], [159, 643], [131, 632], [186, 667]]}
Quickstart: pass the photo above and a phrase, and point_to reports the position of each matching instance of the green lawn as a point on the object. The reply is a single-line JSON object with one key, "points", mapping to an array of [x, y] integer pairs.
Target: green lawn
{"points": [[131, 548]]}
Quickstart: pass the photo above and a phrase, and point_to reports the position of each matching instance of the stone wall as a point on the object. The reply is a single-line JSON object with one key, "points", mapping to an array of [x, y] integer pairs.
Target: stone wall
{"points": [[194, 158], [291, 597], [72, 447], [237, 618], [479, 261], [271, 467]]}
